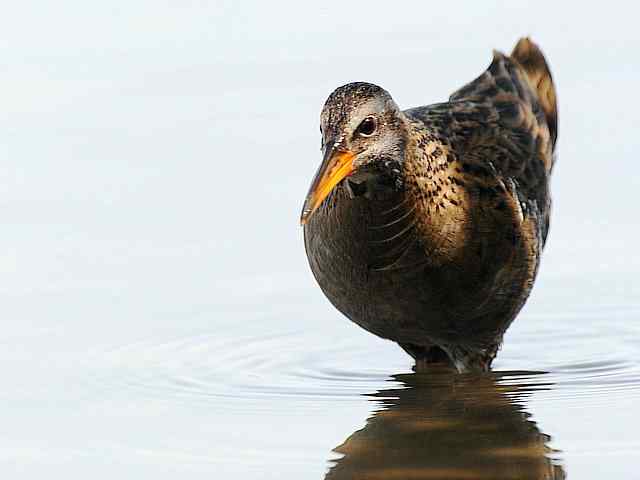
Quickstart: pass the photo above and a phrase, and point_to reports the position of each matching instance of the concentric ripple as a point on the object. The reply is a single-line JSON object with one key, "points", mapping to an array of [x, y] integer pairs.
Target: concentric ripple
{"points": [[247, 367], [582, 354], [589, 356]]}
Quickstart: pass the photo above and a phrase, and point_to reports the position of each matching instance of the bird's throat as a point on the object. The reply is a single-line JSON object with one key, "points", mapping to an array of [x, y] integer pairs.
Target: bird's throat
{"points": [[374, 183]]}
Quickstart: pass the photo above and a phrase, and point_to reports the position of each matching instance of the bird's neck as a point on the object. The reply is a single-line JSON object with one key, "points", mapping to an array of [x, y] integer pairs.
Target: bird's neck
{"points": [[433, 181]]}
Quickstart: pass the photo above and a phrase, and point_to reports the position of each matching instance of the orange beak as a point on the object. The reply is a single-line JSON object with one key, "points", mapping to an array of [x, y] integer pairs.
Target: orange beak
{"points": [[335, 166]]}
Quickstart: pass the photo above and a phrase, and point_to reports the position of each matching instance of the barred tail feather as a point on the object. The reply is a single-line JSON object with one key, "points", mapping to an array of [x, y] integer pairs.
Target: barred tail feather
{"points": [[529, 56]]}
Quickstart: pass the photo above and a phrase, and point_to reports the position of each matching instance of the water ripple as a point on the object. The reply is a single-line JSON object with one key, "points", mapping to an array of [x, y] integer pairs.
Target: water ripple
{"points": [[583, 362]]}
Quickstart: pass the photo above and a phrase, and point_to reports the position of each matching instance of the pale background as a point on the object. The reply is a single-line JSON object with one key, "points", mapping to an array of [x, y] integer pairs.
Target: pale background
{"points": [[154, 157]]}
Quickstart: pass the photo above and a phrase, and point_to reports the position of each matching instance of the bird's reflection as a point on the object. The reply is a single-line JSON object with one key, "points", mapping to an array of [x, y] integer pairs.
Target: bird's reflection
{"points": [[440, 425]]}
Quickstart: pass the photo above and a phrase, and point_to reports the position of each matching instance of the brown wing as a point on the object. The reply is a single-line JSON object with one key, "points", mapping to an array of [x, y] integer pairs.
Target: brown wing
{"points": [[500, 131], [520, 90]]}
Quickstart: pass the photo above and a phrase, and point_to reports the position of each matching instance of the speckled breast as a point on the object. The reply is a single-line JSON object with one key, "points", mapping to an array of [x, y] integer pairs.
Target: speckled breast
{"points": [[371, 263], [367, 259]]}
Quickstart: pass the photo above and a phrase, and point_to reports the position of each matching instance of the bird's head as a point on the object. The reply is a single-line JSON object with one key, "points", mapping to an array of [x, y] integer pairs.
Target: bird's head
{"points": [[362, 135]]}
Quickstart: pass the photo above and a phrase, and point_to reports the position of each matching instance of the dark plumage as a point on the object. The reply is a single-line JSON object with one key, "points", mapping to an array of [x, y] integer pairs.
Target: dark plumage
{"points": [[426, 226]]}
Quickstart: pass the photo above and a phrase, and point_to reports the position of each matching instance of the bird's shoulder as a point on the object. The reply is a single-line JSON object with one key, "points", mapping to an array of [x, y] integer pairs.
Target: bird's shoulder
{"points": [[493, 126]]}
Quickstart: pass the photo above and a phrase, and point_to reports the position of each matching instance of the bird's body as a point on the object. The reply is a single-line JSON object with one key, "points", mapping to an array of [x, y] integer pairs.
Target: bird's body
{"points": [[432, 220]]}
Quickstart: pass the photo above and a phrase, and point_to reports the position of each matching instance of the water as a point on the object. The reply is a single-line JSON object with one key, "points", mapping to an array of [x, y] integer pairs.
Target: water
{"points": [[159, 318]]}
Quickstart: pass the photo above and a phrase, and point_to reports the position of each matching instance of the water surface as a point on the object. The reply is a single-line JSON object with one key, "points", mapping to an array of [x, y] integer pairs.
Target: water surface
{"points": [[159, 317]]}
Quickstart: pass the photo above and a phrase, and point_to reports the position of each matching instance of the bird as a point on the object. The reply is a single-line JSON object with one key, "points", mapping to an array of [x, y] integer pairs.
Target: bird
{"points": [[425, 226]]}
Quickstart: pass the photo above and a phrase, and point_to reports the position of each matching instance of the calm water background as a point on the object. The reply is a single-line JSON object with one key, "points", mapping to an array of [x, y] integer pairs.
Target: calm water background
{"points": [[159, 318]]}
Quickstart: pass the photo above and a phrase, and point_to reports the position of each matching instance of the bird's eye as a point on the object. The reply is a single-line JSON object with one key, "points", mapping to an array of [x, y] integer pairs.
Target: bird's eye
{"points": [[367, 127]]}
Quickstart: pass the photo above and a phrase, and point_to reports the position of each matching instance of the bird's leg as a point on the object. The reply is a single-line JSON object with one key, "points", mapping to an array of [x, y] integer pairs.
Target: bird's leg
{"points": [[427, 357], [467, 359]]}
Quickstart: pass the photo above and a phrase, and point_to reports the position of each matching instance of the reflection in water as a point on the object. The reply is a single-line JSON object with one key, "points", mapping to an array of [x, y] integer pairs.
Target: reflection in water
{"points": [[446, 426]]}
